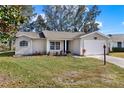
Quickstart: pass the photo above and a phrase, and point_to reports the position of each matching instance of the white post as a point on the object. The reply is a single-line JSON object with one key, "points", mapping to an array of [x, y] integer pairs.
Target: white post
{"points": [[65, 46], [47, 46], [81, 48], [113, 44], [31, 44], [122, 44]]}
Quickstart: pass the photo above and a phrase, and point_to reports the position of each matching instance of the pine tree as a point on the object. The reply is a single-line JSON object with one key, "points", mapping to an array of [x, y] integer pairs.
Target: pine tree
{"points": [[39, 24]]}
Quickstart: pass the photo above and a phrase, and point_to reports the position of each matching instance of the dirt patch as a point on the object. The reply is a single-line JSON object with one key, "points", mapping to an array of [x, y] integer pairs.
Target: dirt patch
{"points": [[7, 81], [4, 78], [74, 78]]}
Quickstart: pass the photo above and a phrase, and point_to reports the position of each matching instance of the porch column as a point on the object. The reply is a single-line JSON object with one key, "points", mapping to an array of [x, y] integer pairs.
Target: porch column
{"points": [[47, 46], [122, 44], [65, 47], [31, 44], [110, 45]]}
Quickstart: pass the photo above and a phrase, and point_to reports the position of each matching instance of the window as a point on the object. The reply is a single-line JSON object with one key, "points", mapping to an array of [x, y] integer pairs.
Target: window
{"points": [[57, 45], [54, 45], [24, 43], [119, 44]]}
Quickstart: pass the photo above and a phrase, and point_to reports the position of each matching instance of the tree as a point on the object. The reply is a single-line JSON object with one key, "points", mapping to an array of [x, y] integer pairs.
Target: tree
{"points": [[27, 27], [11, 17], [90, 23], [71, 18], [28, 11], [39, 24]]}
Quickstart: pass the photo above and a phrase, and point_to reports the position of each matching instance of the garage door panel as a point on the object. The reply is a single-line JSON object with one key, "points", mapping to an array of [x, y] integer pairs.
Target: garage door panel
{"points": [[94, 47]]}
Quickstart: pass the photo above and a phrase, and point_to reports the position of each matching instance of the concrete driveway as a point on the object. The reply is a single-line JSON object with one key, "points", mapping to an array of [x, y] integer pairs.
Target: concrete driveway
{"points": [[114, 60]]}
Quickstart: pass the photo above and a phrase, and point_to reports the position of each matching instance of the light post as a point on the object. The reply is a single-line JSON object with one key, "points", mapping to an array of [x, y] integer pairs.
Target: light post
{"points": [[104, 46]]}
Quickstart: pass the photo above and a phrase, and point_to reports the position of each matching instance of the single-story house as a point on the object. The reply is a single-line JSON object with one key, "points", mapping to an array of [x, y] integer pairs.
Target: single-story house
{"points": [[77, 43], [116, 41]]}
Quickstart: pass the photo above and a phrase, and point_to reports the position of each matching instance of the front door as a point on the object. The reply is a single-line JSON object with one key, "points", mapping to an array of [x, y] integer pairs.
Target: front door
{"points": [[67, 46]]}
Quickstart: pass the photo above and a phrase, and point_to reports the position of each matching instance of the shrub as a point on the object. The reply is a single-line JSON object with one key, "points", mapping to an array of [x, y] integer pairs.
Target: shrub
{"points": [[68, 52], [56, 54], [116, 49], [61, 52], [48, 53], [3, 47], [6, 54], [36, 53]]}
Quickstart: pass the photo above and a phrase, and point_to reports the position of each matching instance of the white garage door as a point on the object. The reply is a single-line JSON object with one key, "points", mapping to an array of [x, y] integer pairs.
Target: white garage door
{"points": [[94, 47]]}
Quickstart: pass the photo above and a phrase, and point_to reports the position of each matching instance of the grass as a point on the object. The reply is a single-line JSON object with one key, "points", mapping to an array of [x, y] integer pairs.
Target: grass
{"points": [[117, 54], [52, 71]]}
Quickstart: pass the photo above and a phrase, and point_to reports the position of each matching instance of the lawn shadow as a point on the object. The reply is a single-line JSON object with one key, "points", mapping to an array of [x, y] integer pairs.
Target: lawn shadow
{"points": [[7, 54]]}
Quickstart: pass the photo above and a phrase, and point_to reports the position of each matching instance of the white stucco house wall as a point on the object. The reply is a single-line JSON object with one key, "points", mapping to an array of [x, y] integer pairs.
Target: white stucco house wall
{"points": [[78, 43], [116, 41]]}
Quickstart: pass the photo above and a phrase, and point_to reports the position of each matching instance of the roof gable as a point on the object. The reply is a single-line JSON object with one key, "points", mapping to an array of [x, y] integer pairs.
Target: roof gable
{"points": [[30, 34], [96, 32]]}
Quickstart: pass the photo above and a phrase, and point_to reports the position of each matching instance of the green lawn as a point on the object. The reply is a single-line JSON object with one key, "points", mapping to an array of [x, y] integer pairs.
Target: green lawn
{"points": [[117, 54], [51, 71]]}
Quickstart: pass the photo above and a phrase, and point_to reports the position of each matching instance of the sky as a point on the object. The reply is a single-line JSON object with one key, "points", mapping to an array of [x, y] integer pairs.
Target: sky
{"points": [[111, 18]]}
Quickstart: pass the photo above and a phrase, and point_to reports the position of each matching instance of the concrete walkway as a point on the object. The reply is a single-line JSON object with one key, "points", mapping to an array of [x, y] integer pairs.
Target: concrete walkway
{"points": [[114, 60]]}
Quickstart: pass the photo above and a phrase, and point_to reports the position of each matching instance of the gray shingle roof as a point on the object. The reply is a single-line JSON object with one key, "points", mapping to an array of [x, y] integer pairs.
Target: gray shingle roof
{"points": [[51, 34], [61, 35], [30, 34], [116, 37]]}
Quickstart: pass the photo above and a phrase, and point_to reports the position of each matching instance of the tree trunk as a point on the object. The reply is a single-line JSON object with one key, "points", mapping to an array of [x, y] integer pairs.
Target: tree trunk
{"points": [[10, 43]]}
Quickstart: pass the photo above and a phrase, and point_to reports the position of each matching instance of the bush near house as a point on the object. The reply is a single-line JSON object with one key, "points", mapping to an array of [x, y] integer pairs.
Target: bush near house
{"points": [[116, 49], [3, 47], [7, 54]]}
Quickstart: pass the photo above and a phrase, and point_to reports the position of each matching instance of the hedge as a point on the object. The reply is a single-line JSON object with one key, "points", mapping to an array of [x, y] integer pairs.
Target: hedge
{"points": [[116, 49]]}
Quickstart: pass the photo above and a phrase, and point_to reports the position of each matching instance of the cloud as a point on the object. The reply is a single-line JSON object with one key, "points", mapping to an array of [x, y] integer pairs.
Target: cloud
{"points": [[43, 15], [87, 9], [100, 24], [34, 18], [122, 23]]}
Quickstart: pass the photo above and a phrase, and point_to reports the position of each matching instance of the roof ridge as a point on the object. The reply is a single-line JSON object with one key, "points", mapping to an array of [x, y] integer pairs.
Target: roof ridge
{"points": [[115, 34], [61, 31]]}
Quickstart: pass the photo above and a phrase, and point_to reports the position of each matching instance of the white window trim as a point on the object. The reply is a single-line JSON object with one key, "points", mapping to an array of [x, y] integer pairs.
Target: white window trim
{"points": [[120, 43], [23, 45], [55, 46]]}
